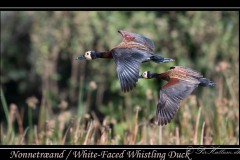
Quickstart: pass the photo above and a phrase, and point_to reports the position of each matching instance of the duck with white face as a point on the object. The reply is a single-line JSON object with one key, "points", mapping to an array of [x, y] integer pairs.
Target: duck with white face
{"points": [[128, 56], [181, 81]]}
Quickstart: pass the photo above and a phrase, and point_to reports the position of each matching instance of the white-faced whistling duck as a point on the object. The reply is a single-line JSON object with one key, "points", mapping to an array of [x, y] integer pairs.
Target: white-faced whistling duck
{"points": [[181, 83], [128, 55]]}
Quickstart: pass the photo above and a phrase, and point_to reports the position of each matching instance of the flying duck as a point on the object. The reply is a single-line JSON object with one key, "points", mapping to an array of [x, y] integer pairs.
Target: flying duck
{"points": [[181, 83], [128, 55]]}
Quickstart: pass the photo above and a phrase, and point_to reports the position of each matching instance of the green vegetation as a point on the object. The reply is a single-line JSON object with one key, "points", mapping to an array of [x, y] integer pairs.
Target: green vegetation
{"points": [[47, 97]]}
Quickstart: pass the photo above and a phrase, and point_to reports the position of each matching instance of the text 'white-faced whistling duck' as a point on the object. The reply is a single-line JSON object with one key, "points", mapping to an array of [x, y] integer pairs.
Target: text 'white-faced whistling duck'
{"points": [[181, 83], [128, 55]]}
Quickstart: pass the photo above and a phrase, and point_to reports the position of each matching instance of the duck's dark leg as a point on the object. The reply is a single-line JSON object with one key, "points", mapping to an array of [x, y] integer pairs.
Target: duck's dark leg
{"points": [[159, 59], [204, 82]]}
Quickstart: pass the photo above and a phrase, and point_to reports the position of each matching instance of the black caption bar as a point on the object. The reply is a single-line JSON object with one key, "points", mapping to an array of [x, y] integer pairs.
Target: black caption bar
{"points": [[95, 152], [115, 4]]}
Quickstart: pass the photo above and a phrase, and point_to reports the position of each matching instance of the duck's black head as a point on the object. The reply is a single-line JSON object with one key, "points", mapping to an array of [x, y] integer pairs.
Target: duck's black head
{"points": [[146, 74], [89, 55]]}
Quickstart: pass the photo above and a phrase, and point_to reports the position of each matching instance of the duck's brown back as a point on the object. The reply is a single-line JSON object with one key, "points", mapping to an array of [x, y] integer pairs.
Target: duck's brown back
{"points": [[137, 41], [184, 73]]}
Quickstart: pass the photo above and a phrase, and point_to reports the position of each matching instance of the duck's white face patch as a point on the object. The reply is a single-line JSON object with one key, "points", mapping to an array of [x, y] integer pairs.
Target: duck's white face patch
{"points": [[87, 55], [145, 74]]}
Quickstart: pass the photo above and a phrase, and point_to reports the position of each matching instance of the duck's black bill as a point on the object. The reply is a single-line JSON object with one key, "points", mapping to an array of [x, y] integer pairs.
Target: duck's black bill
{"points": [[80, 58], [140, 76], [166, 60]]}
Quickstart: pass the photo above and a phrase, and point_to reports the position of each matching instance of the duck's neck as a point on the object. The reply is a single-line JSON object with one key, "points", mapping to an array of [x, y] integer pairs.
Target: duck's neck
{"points": [[154, 75], [106, 54], [163, 76]]}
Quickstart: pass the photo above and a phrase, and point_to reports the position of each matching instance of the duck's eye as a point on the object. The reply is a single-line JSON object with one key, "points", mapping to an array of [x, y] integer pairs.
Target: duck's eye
{"points": [[87, 53]]}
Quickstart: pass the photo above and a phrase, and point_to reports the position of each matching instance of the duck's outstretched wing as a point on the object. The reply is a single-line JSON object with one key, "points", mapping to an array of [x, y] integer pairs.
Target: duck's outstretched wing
{"points": [[170, 96], [127, 65], [134, 40]]}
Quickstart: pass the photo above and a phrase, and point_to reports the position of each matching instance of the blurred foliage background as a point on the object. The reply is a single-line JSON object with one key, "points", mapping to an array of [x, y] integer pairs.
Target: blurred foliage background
{"points": [[47, 97]]}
